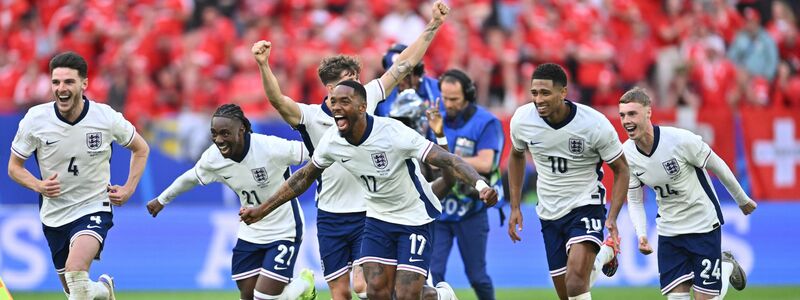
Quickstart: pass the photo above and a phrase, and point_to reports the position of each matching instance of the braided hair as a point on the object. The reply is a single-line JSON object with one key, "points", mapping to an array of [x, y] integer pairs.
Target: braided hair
{"points": [[233, 111]]}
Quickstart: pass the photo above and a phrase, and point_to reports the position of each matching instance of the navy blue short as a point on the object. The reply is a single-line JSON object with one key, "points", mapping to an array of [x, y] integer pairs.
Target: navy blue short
{"points": [[339, 237], [59, 239], [582, 224], [407, 247], [695, 256], [274, 260]]}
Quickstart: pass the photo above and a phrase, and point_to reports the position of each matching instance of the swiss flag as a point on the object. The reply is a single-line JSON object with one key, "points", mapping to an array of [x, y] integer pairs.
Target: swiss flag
{"points": [[772, 146]]}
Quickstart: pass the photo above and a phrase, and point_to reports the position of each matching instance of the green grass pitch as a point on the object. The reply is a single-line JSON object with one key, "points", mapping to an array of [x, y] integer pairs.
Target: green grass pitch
{"points": [[754, 293]]}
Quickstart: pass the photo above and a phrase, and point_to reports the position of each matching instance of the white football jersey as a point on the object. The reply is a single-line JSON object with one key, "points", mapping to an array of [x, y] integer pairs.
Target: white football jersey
{"points": [[675, 169], [568, 156], [79, 152], [258, 176], [385, 165], [337, 191]]}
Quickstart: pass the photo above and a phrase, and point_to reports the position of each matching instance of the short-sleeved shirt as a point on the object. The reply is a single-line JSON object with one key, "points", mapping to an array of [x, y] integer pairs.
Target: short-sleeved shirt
{"points": [[675, 169], [78, 151], [259, 175], [385, 165], [337, 191], [568, 156]]}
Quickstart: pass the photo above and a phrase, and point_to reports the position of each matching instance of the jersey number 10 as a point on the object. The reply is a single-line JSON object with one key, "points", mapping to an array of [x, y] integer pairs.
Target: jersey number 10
{"points": [[558, 163]]}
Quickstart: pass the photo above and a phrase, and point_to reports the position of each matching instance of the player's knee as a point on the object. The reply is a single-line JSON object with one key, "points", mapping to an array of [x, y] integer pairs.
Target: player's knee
{"points": [[246, 294], [576, 284], [407, 293], [374, 292]]}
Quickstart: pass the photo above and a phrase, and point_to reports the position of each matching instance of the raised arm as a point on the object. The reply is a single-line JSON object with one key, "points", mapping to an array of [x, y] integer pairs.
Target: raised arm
{"points": [[119, 195], [412, 55], [463, 171], [442, 185], [298, 183], [620, 189], [187, 181], [286, 107]]}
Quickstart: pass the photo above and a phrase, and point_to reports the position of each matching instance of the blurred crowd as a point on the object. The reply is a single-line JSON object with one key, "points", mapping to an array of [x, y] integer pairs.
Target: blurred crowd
{"points": [[157, 58]]}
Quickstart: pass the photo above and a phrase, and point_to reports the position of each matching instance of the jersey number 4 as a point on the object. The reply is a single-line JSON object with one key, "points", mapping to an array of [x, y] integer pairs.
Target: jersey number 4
{"points": [[72, 168]]}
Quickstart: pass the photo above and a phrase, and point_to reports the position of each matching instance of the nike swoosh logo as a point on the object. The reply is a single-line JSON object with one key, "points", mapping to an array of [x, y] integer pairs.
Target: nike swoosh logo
{"points": [[638, 173], [535, 143], [92, 226], [280, 268], [414, 259], [707, 283], [50, 143], [227, 177], [345, 160]]}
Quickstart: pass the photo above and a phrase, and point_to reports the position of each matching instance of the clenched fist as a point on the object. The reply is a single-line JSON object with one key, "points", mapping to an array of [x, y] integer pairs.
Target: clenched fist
{"points": [[261, 51]]}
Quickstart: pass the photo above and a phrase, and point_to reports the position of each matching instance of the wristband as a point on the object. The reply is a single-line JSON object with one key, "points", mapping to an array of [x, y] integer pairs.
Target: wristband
{"points": [[441, 140], [480, 185]]}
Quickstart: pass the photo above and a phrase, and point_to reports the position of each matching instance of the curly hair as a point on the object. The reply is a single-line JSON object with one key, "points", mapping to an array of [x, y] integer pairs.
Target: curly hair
{"points": [[551, 71], [331, 68], [70, 60]]}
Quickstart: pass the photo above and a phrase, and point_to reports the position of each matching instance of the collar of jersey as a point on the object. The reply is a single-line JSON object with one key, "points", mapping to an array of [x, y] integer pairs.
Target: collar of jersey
{"points": [[656, 135], [325, 108], [573, 110], [367, 131], [246, 149], [83, 112]]}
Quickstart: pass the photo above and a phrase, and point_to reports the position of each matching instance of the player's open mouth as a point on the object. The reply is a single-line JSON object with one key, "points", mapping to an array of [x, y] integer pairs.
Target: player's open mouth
{"points": [[630, 128], [224, 149], [341, 122], [63, 98]]}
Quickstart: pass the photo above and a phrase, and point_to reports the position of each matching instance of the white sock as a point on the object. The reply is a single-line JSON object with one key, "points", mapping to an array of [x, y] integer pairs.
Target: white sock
{"points": [[67, 294], [443, 293], [294, 289], [584, 296], [362, 296], [727, 270], [261, 296], [78, 283], [679, 296]]}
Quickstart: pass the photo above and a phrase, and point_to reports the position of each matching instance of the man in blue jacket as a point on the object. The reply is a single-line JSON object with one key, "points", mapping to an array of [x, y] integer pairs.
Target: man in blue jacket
{"points": [[426, 87], [477, 136]]}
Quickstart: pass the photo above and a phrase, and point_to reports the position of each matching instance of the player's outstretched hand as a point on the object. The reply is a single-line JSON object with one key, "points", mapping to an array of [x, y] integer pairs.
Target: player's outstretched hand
{"points": [[435, 118], [514, 221], [644, 246], [748, 207], [261, 50], [489, 196], [50, 187], [440, 11], [154, 207], [611, 225], [119, 194], [250, 215]]}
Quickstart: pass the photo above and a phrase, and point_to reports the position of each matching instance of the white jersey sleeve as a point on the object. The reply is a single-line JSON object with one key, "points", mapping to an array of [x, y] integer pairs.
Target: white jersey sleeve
{"points": [[412, 143], [121, 130], [24, 143], [292, 152], [203, 170], [375, 94], [519, 144], [695, 151], [607, 141], [322, 157]]}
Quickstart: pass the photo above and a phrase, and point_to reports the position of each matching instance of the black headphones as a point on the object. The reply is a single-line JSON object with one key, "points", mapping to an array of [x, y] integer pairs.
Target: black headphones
{"points": [[467, 86], [387, 62]]}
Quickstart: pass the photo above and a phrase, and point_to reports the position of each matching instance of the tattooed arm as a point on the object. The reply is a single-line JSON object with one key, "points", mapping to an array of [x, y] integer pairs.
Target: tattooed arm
{"points": [[463, 171], [293, 187], [410, 57]]}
